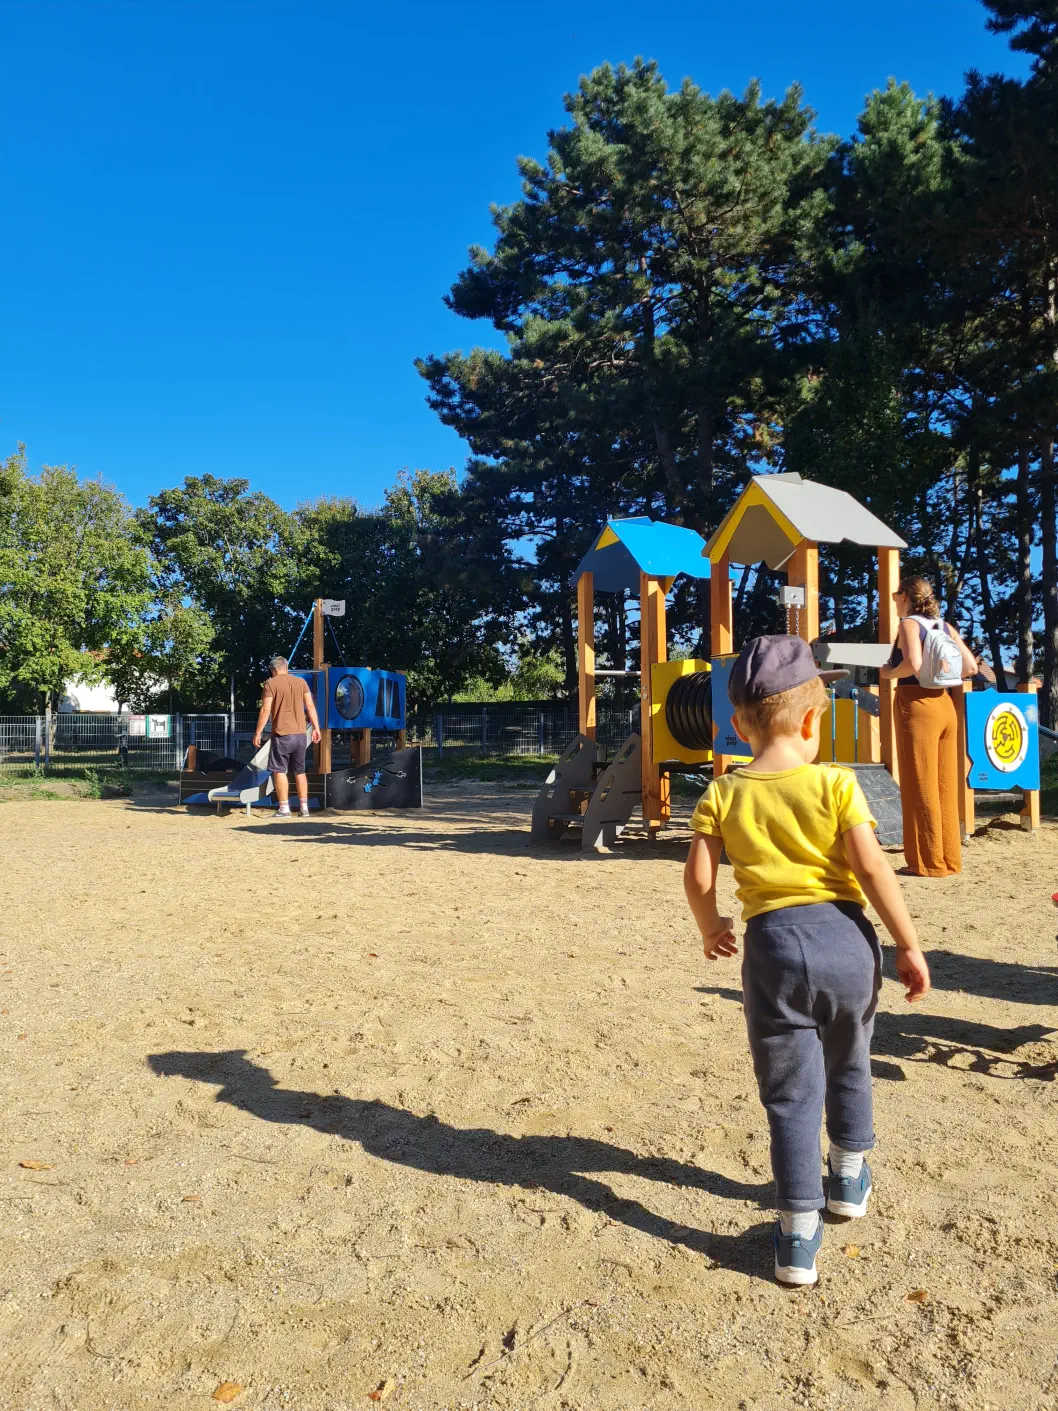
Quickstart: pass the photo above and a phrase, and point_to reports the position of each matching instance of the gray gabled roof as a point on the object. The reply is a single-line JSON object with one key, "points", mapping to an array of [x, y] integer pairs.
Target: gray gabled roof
{"points": [[817, 512]]}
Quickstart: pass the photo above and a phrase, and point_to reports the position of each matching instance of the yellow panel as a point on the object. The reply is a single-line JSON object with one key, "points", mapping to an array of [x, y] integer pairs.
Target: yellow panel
{"points": [[663, 674], [845, 729], [750, 497], [606, 538], [826, 733]]}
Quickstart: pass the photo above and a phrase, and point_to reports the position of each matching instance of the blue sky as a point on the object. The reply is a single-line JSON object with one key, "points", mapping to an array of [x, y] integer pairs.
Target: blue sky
{"points": [[229, 224]]}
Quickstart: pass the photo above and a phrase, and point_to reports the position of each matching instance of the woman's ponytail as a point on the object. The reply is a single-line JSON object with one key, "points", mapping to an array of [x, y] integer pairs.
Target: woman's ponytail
{"points": [[919, 593]]}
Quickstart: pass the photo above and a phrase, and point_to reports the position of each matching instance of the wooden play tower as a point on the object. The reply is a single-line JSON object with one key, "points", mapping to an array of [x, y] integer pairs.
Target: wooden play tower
{"points": [[781, 521]]}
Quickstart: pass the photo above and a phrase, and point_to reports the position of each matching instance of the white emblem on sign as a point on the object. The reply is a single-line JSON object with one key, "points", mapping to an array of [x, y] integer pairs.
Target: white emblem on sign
{"points": [[1006, 737]]}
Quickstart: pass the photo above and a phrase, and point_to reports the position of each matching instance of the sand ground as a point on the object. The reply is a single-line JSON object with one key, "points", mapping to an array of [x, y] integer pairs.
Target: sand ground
{"points": [[391, 1101]]}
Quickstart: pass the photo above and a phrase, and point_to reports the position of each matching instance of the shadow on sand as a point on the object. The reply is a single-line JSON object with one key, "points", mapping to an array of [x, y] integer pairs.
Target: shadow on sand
{"points": [[966, 1045], [553, 1163]]}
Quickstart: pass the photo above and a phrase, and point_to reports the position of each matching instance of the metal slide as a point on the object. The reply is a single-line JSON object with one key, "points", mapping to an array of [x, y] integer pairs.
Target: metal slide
{"points": [[251, 785]]}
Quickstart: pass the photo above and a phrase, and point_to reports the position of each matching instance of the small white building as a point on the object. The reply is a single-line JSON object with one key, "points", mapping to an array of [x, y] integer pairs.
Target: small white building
{"points": [[77, 696]]}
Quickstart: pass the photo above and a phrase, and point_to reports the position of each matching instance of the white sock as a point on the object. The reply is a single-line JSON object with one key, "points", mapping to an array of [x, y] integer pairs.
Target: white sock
{"points": [[845, 1163], [304, 808], [799, 1222], [284, 808]]}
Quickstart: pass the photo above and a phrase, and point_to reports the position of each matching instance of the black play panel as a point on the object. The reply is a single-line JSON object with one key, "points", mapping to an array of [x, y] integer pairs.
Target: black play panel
{"points": [[391, 781], [883, 799]]}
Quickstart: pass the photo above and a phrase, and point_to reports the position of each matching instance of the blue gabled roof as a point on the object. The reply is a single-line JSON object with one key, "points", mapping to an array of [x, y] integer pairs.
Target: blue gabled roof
{"points": [[628, 547]]}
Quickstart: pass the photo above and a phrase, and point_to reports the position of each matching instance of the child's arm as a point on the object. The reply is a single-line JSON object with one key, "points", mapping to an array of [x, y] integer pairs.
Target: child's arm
{"points": [[875, 876], [699, 882]]}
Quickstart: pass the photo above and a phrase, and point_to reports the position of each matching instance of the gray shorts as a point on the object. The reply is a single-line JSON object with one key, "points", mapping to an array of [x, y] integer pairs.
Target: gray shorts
{"points": [[287, 754]]}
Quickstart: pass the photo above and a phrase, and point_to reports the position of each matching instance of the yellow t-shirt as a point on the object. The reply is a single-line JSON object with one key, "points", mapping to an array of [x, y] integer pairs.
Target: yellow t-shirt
{"points": [[782, 832]]}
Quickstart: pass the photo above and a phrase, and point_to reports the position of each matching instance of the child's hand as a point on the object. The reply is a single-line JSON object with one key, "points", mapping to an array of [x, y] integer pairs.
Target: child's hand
{"points": [[720, 941], [912, 971]]}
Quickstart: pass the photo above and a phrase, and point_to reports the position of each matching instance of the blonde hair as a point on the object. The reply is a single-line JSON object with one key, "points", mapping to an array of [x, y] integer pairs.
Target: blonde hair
{"points": [[919, 593], [782, 714]]}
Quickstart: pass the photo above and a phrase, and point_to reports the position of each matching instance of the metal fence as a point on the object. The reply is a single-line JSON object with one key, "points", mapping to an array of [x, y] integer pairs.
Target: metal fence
{"points": [[71, 743], [514, 729]]}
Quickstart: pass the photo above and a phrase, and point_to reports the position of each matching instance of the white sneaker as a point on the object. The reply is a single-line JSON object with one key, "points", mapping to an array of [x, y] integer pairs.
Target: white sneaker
{"points": [[303, 812], [283, 811]]}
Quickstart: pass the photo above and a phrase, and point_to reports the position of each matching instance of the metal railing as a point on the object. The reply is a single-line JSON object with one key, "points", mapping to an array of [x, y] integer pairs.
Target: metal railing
{"points": [[71, 743], [513, 729]]}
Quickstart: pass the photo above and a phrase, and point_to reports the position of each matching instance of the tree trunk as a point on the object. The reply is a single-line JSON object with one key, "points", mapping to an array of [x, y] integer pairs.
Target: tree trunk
{"points": [[662, 437], [987, 604], [743, 583], [1049, 530], [569, 643], [702, 592], [1024, 560], [1049, 700], [705, 454]]}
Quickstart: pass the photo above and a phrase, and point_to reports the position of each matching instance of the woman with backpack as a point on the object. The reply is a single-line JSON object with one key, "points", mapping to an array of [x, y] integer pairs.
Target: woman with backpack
{"points": [[928, 659]]}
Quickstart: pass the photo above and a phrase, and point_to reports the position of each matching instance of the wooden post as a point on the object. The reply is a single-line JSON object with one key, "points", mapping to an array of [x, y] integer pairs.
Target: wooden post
{"points": [[317, 634], [967, 812], [192, 758], [721, 608], [802, 571], [652, 648], [1030, 813], [323, 749], [586, 654], [888, 578], [721, 625]]}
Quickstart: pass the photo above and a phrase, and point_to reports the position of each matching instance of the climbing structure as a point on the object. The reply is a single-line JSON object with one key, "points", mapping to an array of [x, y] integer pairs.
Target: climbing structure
{"points": [[641, 556]]}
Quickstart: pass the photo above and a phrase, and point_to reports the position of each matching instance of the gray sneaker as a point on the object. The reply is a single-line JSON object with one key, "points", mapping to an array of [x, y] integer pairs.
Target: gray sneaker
{"points": [[795, 1256], [848, 1195]]}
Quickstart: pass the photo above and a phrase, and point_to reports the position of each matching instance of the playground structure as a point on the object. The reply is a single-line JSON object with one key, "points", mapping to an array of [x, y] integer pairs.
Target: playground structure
{"points": [[353, 700], [584, 789], [685, 717]]}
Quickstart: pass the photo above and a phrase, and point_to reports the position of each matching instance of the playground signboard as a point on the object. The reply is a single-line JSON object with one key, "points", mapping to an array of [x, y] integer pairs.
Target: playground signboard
{"points": [[725, 741], [150, 727], [1002, 740]]}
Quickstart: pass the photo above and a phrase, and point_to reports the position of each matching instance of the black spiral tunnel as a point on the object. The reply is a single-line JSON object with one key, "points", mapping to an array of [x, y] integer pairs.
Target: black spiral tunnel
{"points": [[689, 711]]}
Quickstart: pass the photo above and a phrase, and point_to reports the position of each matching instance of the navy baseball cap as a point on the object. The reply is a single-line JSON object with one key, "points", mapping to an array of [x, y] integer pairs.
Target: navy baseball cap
{"points": [[768, 665]]}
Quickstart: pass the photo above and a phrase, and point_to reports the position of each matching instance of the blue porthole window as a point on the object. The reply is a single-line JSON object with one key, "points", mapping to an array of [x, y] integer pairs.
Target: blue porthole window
{"points": [[349, 697]]}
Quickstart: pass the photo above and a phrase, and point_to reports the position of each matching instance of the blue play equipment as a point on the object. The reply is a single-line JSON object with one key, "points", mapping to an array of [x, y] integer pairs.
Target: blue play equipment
{"points": [[353, 697], [357, 697], [354, 700]]}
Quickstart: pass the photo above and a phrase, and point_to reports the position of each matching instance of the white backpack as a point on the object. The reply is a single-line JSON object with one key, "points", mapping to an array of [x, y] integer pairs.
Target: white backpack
{"points": [[941, 658]]}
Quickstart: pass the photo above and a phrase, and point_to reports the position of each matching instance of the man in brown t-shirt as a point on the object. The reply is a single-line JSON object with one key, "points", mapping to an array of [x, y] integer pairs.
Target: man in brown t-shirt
{"points": [[287, 699]]}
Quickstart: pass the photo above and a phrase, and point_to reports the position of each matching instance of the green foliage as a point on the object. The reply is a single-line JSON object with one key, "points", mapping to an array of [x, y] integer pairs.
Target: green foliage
{"points": [[537, 676], [1033, 27], [428, 579], [171, 662], [649, 285], [74, 578], [232, 555]]}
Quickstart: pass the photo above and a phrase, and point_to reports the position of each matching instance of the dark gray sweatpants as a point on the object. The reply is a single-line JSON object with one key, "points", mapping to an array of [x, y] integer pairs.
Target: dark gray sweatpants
{"points": [[810, 982]]}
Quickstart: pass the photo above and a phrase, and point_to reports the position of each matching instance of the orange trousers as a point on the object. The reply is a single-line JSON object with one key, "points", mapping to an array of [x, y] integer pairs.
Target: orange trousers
{"points": [[927, 749]]}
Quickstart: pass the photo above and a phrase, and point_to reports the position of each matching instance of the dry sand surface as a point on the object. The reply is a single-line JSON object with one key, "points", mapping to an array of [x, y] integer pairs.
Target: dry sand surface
{"points": [[392, 1102]]}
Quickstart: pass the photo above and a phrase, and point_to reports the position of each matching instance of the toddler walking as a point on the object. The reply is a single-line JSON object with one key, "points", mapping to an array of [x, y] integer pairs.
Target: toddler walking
{"points": [[800, 839]]}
